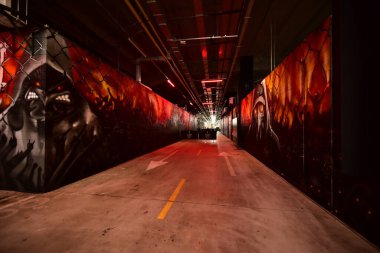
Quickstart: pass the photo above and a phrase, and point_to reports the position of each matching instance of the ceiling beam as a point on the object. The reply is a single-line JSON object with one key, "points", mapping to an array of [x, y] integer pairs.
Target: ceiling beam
{"points": [[220, 13], [245, 20], [213, 37]]}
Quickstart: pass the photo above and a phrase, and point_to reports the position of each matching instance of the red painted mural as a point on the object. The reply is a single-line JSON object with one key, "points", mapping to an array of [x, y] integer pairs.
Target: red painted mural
{"points": [[286, 119], [102, 85], [109, 90], [65, 114], [287, 122], [300, 87]]}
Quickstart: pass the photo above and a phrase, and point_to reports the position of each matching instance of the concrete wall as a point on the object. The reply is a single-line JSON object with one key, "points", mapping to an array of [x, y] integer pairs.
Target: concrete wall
{"points": [[355, 111], [65, 114]]}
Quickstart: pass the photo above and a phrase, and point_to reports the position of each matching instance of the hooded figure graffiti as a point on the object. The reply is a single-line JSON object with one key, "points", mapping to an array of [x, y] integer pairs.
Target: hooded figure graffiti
{"points": [[266, 142], [50, 127]]}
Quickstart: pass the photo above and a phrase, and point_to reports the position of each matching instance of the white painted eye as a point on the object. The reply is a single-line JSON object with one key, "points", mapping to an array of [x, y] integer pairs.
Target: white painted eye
{"points": [[31, 95], [63, 98]]}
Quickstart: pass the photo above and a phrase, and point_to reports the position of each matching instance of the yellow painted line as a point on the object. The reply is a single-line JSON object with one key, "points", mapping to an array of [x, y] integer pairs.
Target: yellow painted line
{"points": [[176, 191], [171, 200], [165, 210]]}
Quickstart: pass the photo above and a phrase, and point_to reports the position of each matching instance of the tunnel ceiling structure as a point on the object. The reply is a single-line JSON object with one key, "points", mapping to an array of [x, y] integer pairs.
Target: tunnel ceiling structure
{"points": [[195, 44]]}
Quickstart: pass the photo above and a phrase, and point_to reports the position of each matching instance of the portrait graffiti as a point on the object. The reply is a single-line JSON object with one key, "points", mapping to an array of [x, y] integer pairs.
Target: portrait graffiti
{"points": [[43, 132]]}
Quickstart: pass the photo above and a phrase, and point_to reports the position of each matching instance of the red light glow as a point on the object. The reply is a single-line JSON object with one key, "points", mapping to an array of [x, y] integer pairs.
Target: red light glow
{"points": [[170, 82], [204, 53], [212, 81]]}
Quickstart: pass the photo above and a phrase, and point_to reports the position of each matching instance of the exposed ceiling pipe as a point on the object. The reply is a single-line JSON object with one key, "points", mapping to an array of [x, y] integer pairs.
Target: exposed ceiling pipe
{"points": [[198, 11], [173, 46], [219, 13], [138, 69], [188, 78], [137, 48], [205, 37], [225, 50], [174, 68], [158, 37], [138, 65], [239, 44]]}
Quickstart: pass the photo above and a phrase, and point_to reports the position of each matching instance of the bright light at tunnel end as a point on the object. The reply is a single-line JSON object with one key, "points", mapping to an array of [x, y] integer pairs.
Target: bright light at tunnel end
{"points": [[170, 82], [213, 119]]}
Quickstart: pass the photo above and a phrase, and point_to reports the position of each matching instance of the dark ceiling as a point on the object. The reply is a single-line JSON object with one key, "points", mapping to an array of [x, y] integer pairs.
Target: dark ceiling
{"points": [[186, 41]]}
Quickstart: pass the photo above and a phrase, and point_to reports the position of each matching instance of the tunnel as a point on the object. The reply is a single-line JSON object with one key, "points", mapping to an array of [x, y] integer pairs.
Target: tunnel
{"points": [[188, 126]]}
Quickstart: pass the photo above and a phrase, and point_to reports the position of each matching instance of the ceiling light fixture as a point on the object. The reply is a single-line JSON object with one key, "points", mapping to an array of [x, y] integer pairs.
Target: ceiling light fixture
{"points": [[146, 86], [212, 80], [137, 47], [207, 38], [170, 82]]}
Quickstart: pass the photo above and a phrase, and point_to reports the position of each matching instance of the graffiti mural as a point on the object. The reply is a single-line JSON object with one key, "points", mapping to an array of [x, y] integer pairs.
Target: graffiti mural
{"points": [[64, 114], [289, 128], [265, 139], [286, 119]]}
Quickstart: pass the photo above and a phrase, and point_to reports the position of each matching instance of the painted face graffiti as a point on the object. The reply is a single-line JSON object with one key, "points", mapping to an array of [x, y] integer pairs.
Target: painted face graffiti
{"points": [[259, 115], [47, 105], [265, 138]]}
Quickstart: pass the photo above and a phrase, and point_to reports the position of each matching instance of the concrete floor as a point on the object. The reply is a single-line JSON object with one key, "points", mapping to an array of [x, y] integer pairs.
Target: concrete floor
{"points": [[222, 200]]}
